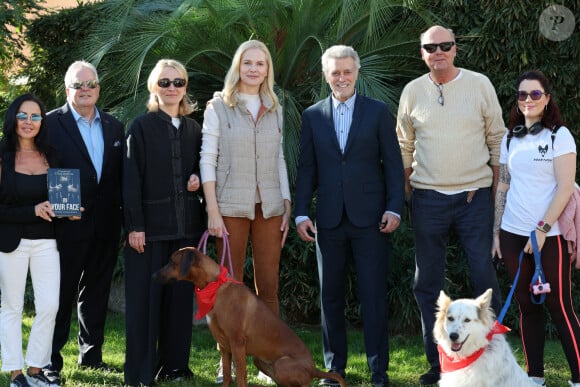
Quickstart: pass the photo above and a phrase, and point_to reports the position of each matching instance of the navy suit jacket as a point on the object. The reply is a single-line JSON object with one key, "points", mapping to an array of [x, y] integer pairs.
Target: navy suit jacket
{"points": [[102, 199], [365, 181]]}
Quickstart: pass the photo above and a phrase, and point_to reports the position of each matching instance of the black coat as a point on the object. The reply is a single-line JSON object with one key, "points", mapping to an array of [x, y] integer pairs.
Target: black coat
{"points": [[102, 200], [158, 163]]}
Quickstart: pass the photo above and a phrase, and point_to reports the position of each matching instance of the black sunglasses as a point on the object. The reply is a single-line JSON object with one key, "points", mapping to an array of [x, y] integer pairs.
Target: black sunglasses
{"points": [[92, 84], [165, 82], [534, 95], [432, 47]]}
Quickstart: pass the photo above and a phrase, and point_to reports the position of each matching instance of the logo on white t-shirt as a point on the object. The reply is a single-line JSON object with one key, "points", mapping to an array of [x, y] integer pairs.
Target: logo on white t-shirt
{"points": [[542, 150]]}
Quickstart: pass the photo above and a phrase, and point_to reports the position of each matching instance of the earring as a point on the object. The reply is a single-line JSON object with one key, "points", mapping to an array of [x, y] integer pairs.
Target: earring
{"points": [[546, 108]]}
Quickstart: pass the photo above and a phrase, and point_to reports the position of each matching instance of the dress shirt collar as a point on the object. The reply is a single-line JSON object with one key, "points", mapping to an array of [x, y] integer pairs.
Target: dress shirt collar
{"points": [[349, 102], [77, 116]]}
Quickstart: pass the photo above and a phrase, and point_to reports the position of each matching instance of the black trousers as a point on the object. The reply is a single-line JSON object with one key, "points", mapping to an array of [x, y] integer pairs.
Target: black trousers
{"points": [[557, 269], [158, 318], [86, 270], [369, 249]]}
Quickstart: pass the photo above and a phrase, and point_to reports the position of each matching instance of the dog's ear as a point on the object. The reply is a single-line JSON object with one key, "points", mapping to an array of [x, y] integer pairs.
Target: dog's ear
{"points": [[484, 310], [186, 258], [484, 301], [443, 301]]}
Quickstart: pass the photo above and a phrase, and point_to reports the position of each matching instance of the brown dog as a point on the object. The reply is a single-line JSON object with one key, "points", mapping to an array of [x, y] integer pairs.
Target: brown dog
{"points": [[243, 325]]}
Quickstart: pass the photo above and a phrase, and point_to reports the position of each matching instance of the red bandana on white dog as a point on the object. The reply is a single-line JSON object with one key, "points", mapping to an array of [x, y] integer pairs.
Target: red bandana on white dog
{"points": [[206, 296], [450, 364]]}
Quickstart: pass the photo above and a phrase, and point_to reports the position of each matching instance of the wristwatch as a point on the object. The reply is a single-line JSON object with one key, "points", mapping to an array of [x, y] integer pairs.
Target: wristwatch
{"points": [[543, 226]]}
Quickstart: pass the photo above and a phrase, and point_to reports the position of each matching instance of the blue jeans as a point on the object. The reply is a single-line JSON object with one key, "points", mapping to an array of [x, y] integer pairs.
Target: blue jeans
{"points": [[434, 215]]}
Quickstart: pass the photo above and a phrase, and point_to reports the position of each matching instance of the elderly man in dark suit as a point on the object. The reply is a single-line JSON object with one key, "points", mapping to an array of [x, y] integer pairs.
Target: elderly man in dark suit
{"points": [[350, 156], [92, 141]]}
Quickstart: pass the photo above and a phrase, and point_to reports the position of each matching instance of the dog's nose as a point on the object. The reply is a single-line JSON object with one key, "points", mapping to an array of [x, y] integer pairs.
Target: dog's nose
{"points": [[453, 336]]}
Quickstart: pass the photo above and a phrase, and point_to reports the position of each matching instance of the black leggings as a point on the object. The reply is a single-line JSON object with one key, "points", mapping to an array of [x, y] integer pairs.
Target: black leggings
{"points": [[557, 269]]}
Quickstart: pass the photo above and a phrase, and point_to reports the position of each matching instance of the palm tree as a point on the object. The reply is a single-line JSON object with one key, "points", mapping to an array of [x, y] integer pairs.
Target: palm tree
{"points": [[204, 34]]}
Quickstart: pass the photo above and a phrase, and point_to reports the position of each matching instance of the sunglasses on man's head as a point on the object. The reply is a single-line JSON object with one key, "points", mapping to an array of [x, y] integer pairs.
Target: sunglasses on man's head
{"points": [[24, 117], [534, 95], [166, 82], [432, 47], [92, 84]]}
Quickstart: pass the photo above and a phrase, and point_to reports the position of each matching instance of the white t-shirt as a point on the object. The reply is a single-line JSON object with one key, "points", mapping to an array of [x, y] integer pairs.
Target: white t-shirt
{"points": [[533, 182]]}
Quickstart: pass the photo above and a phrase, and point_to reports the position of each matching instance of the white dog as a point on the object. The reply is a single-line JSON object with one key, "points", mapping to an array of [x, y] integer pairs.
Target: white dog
{"points": [[472, 347]]}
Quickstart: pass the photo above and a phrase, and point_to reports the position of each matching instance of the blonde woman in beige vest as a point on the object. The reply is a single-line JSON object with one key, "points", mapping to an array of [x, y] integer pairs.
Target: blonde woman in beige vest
{"points": [[243, 170]]}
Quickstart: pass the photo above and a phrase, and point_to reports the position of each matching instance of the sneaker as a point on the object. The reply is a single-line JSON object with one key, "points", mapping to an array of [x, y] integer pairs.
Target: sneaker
{"points": [[52, 374], [219, 379], [263, 378], [573, 384], [537, 380], [39, 379], [431, 377], [19, 381]]}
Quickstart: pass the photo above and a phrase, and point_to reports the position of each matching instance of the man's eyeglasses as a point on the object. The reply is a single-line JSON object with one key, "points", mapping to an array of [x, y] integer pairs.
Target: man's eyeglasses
{"points": [[534, 95], [441, 99], [25, 117], [165, 82], [432, 47], [92, 84]]}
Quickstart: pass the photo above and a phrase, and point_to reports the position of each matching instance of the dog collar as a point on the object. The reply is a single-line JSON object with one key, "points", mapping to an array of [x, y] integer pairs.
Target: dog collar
{"points": [[206, 296], [450, 364]]}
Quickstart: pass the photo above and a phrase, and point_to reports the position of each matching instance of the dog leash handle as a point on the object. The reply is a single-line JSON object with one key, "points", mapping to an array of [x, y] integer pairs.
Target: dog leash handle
{"points": [[537, 274], [202, 246], [538, 277]]}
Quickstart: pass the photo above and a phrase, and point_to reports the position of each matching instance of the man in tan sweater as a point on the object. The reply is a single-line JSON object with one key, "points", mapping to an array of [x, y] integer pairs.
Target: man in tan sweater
{"points": [[450, 127]]}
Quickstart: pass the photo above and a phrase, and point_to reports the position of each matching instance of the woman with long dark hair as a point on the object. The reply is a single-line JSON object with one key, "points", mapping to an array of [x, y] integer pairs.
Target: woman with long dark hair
{"points": [[537, 171], [28, 241]]}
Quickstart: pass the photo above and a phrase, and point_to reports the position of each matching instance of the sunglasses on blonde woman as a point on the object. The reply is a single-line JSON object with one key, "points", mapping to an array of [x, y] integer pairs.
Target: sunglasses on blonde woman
{"points": [[165, 82]]}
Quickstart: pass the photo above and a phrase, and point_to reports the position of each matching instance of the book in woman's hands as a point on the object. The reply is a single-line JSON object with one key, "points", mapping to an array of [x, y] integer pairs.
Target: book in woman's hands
{"points": [[64, 191]]}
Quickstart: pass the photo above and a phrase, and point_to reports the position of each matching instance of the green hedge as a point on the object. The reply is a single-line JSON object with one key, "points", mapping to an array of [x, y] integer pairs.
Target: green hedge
{"points": [[499, 38]]}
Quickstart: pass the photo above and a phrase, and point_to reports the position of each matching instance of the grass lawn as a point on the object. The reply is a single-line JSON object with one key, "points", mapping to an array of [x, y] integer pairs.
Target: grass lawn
{"points": [[407, 361]]}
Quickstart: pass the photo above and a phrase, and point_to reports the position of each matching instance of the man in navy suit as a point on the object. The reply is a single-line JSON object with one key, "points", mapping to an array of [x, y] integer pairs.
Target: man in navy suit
{"points": [[88, 139], [351, 158]]}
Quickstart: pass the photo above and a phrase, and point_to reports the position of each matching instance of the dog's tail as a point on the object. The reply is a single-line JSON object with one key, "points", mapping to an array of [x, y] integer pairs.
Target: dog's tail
{"points": [[330, 375]]}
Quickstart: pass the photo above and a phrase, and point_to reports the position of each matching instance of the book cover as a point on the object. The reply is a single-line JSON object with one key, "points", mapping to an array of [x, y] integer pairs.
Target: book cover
{"points": [[64, 191]]}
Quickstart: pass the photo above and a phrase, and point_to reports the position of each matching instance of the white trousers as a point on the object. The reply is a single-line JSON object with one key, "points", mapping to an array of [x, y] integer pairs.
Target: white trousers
{"points": [[41, 255]]}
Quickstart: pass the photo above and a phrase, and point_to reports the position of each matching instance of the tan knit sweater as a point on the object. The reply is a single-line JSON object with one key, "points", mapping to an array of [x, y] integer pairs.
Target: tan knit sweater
{"points": [[450, 147]]}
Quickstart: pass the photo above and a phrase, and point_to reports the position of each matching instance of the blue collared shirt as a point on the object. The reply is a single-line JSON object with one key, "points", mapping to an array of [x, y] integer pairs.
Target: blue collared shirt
{"points": [[92, 134], [342, 116]]}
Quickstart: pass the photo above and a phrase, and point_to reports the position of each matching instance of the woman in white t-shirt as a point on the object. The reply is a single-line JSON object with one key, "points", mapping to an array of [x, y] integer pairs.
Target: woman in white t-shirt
{"points": [[537, 170]]}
